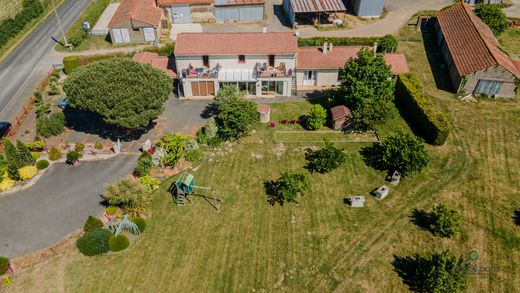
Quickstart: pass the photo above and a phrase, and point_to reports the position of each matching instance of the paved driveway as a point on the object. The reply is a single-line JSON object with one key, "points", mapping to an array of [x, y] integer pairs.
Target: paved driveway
{"points": [[514, 9], [57, 205]]}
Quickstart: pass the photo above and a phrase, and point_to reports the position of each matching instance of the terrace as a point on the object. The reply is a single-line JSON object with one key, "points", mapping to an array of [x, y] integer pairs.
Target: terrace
{"points": [[265, 71]]}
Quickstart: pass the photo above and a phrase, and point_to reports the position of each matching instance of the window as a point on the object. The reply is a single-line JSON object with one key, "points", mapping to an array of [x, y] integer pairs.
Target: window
{"points": [[136, 29], [202, 88], [241, 58], [248, 87], [205, 61], [271, 87], [488, 87], [271, 60]]}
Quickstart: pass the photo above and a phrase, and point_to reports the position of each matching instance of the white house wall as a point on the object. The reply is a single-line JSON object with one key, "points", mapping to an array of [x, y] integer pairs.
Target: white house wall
{"points": [[231, 61], [324, 77]]}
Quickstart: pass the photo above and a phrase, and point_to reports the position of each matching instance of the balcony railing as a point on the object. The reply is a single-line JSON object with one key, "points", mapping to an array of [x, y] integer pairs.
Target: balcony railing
{"points": [[201, 72], [264, 71]]}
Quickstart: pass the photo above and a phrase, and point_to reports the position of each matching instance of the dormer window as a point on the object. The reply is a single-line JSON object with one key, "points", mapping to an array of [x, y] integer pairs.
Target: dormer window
{"points": [[241, 58]]}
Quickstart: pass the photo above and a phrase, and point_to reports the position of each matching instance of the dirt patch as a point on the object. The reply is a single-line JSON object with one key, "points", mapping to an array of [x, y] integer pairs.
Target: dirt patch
{"points": [[279, 150]]}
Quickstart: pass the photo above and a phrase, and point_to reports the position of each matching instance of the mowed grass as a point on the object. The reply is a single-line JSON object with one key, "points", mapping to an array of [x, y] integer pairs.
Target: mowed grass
{"points": [[321, 244], [9, 8], [510, 41]]}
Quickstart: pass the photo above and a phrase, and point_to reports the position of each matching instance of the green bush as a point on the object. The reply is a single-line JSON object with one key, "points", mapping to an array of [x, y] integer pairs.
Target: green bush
{"points": [[386, 43], [11, 27], [434, 125], [316, 118], [237, 116], [165, 50], [42, 164], [144, 164], [48, 126], [4, 264], [94, 242], [445, 222], [92, 223], [98, 145], [73, 156], [76, 34], [111, 210], [36, 155], [150, 183], [286, 188], [173, 145], [493, 16], [71, 63], [54, 154], [118, 243], [141, 223], [129, 195], [37, 145], [25, 154], [325, 159], [79, 147]]}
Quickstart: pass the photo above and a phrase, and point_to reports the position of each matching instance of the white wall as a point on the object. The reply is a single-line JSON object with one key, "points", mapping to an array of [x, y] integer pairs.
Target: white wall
{"points": [[324, 77], [231, 61]]}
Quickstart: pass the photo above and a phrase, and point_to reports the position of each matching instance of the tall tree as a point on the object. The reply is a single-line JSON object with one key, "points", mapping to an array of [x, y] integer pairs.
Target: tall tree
{"points": [[125, 93], [286, 188], [236, 117], [368, 88], [26, 158], [493, 16], [442, 272]]}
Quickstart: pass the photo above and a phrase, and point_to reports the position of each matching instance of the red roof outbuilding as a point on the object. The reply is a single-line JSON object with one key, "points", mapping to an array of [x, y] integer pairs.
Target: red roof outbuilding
{"points": [[144, 11], [156, 61]]}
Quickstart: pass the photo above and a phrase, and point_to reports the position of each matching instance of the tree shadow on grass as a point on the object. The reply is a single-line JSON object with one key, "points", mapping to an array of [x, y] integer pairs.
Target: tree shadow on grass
{"points": [[436, 61], [415, 127], [516, 217], [421, 219], [372, 156], [272, 195], [92, 123], [407, 269]]}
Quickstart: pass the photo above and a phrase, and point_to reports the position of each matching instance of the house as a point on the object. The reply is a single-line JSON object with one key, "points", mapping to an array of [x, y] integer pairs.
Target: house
{"points": [[318, 67], [475, 2], [153, 59], [261, 64], [135, 21], [367, 8], [341, 116], [188, 11], [476, 65], [239, 10], [298, 11]]}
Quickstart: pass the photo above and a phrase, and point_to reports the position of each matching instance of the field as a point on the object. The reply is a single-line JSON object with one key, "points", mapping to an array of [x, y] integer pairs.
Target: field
{"points": [[321, 244], [510, 41], [9, 8]]}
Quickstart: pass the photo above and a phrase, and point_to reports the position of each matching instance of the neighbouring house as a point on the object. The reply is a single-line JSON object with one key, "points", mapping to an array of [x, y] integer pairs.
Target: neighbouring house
{"points": [[341, 117], [239, 10], [261, 64], [318, 67], [475, 2], [476, 65], [135, 21], [162, 63], [305, 11], [367, 8], [188, 11]]}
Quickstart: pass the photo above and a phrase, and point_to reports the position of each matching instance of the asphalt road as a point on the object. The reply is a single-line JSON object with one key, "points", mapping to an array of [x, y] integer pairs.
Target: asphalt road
{"points": [[57, 205], [30, 61]]}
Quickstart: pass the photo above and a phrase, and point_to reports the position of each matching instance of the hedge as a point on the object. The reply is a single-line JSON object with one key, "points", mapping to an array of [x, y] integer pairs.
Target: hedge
{"points": [[76, 34], [71, 63], [387, 43], [118, 243], [434, 125], [94, 242], [11, 27]]}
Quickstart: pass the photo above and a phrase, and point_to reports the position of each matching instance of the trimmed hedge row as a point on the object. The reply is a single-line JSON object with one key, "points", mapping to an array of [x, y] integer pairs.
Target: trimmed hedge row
{"points": [[434, 125], [70, 63], [387, 43], [11, 27], [76, 34]]}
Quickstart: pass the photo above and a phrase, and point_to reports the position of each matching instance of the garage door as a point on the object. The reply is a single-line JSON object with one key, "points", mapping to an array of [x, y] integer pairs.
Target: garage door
{"points": [[240, 13], [149, 34], [202, 88], [121, 36]]}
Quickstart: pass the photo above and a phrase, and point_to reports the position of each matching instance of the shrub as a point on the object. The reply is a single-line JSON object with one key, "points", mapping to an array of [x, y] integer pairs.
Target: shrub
{"points": [[236, 117], [11, 27], [4, 265], [42, 164], [38, 97], [138, 98], [193, 156], [316, 118], [28, 172], [48, 126], [79, 147], [211, 128], [129, 195], [444, 221], [98, 145], [71, 63], [345, 41], [434, 125], [111, 210], [12, 171], [141, 223], [26, 158], [6, 184], [73, 156], [92, 223], [94, 242], [165, 50], [36, 155], [173, 145], [493, 16], [76, 34], [326, 159], [387, 43], [36, 146], [12, 155], [286, 188], [144, 164], [201, 137], [54, 154], [150, 183], [118, 243]]}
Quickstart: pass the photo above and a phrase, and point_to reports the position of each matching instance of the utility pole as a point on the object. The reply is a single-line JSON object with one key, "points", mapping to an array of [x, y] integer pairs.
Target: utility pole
{"points": [[67, 45]]}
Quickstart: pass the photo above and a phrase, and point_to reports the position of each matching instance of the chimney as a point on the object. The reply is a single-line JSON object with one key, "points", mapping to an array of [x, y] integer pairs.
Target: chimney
{"points": [[330, 46], [325, 47], [375, 47], [264, 29]]}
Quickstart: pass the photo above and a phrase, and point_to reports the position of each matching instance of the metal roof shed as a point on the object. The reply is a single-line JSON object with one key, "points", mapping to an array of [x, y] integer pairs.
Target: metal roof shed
{"points": [[239, 10], [291, 7]]}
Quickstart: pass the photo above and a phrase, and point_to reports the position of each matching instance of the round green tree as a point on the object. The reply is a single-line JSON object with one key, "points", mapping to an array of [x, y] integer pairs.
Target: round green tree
{"points": [[316, 118], [125, 93], [444, 221], [118, 243], [236, 117], [441, 272], [325, 159], [286, 188], [493, 16]]}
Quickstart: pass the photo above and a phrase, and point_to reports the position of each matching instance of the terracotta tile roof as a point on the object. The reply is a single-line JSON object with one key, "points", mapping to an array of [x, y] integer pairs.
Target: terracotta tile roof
{"points": [[235, 43], [313, 57], [238, 2], [517, 65], [154, 60], [171, 2], [339, 112], [471, 43], [397, 62], [140, 10]]}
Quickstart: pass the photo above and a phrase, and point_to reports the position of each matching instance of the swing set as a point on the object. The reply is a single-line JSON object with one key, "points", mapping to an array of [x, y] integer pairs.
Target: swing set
{"points": [[184, 187]]}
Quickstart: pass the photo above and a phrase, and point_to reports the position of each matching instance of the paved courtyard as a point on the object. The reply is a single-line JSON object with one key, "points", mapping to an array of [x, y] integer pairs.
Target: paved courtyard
{"points": [[57, 205]]}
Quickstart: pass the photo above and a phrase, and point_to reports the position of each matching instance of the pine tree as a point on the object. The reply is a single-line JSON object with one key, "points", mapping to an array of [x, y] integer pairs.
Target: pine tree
{"points": [[26, 157], [12, 171], [11, 154]]}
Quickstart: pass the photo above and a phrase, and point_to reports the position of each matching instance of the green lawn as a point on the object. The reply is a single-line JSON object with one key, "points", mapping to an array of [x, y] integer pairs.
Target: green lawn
{"points": [[320, 245], [510, 41], [9, 8]]}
